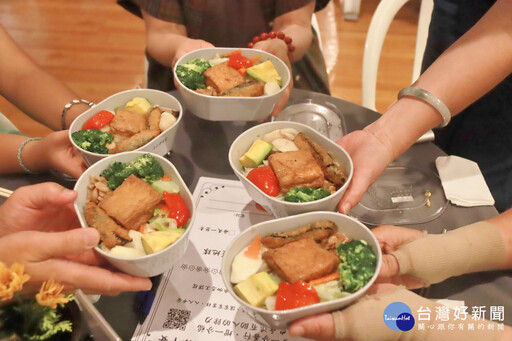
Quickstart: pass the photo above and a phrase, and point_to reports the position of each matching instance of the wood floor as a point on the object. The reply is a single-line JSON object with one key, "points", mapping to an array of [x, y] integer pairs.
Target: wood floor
{"points": [[97, 48]]}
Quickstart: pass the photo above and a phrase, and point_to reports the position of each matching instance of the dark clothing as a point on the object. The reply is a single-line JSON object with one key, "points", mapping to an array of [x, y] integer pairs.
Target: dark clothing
{"points": [[230, 23], [483, 131]]}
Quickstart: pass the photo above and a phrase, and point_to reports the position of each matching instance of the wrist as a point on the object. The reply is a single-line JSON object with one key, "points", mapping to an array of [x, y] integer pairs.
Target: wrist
{"points": [[403, 123], [33, 156], [75, 111]]}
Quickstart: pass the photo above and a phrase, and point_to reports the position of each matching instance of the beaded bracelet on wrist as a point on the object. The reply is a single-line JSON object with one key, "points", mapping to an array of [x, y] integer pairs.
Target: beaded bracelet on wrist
{"points": [[273, 35]]}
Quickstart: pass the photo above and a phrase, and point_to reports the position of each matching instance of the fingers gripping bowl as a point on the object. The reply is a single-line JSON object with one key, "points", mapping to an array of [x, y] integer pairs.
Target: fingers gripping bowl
{"points": [[133, 205], [349, 227], [303, 166], [135, 119], [227, 108]]}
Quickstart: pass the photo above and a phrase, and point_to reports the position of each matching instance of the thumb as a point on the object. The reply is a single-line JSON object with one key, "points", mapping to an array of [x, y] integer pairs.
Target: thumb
{"points": [[47, 245], [352, 196], [45, 195], [316, 327], [390, 266]]}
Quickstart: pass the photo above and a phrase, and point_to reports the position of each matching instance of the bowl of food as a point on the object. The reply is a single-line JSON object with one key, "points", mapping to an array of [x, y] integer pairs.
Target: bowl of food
{"points": [[142, 209], [138, 119], [288, 268], [228, 84], [289, 168]]}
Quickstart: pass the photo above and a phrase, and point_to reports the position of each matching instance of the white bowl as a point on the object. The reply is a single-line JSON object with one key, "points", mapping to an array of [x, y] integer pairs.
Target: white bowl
{"points": [[278, 207], [155, 263], [280, 319], [160, 145], [221, 108]]}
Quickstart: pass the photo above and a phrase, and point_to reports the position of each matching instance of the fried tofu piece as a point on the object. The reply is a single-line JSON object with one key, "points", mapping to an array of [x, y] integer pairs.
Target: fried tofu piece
{"points": [[136, 141], [301, 261], [154, 118], [132, 203], [127, 123], [111, 233], [330, 167], [223, 77], [318, 231], [253, 89], [296, 169]]}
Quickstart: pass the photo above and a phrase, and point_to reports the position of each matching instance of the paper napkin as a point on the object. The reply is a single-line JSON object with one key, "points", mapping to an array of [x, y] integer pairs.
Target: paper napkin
{"points": [[463, 182]]}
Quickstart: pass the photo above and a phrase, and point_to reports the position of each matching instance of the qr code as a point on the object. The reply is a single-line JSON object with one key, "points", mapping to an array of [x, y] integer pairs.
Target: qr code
{"points": [[177, 319]]}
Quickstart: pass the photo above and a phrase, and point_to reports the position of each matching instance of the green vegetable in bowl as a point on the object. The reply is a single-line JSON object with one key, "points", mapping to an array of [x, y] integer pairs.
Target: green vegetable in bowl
{"points": [[191, 73], [329, 291], [358, 263], [92, 140], [305, 194], [145, 167]]}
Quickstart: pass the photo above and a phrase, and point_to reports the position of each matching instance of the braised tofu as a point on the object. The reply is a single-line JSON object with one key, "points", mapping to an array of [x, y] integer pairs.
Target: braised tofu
{"points": [[127, 123], [253, 89], [135, 141], [301, 261], [132, 203], [296, 169], [223, 77], [111, 233]]}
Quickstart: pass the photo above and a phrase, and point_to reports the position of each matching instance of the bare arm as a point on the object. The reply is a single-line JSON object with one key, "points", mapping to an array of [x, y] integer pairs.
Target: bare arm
{"points": [[168, 41], [296, 25], [471, 67], [31, 89], [462, 74], [55, 151]]}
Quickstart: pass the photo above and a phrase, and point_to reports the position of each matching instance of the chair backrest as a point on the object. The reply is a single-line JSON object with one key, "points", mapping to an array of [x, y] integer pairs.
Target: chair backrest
{"points": [[379, 25]]}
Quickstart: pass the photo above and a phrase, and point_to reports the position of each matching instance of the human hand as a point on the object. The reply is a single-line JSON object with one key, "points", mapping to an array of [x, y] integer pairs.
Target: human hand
{"points": [[390, 238], [278, 48], [60, 155], [185, 47], [364, 321], [43, 207], [189, 45], [370, 156], [68, 258], [322, 326]]}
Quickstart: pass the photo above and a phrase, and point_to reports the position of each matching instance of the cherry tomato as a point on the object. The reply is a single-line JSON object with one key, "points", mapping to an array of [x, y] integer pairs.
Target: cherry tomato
{"points": [[238, 62], [177, 208], [99, 120], [265, 179], [296, 295]]}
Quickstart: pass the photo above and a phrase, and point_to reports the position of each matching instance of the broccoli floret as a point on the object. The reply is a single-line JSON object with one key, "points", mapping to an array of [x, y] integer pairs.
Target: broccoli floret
{"points": [[305, 194], [145, 167], [357, 265], [191, 73], [116, 173], [92, 140]]}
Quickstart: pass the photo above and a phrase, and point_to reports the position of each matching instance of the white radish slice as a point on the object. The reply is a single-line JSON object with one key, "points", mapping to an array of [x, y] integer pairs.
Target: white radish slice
{"points": [[284, 145]]}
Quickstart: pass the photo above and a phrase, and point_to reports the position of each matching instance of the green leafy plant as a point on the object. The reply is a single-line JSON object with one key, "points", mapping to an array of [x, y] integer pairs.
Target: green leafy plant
{"points": [[34, 319]]}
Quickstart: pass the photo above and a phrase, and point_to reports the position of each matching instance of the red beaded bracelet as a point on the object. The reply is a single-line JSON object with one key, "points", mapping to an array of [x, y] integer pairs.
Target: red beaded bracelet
{"points": [[273, 35]]}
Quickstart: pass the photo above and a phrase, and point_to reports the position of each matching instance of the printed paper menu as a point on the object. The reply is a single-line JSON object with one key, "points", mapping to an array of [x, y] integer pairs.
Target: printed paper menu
{"points": [[192, 303]]}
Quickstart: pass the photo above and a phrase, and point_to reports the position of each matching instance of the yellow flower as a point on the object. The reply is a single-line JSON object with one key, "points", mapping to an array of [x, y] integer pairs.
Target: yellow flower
{"points": [[51, 294], [11, 280]]}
